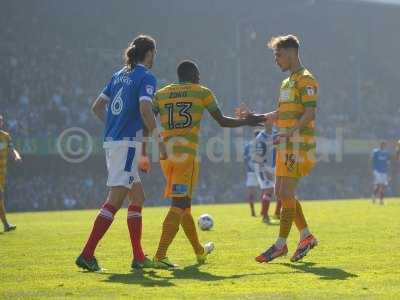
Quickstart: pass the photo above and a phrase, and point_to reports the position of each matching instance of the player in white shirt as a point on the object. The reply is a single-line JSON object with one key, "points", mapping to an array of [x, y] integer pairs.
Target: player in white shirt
{"points": [[264, 158], [251, 177]]}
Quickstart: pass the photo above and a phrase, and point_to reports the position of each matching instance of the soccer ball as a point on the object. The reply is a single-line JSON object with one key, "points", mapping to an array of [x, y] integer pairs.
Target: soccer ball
{"points": [[205, 222]]}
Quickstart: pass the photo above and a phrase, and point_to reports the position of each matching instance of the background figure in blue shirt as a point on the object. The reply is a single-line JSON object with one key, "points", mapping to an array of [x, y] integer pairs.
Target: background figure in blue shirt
{"points": [[125, 105], [380, 167], [265, 169], [251, 178]]}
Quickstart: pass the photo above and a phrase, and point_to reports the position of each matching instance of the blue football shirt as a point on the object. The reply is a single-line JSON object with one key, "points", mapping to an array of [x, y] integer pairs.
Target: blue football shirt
{"points": [[380, 160], [126, 89]]}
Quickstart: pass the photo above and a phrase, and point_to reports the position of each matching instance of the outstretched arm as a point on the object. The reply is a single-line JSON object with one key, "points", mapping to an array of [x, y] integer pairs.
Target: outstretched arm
{"points": [[271, 117], [225, 121], [243, 111]]}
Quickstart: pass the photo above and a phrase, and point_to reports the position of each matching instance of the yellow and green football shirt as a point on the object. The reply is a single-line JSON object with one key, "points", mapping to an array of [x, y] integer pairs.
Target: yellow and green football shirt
{"points": [[296, 155], [5, 143], [181, 107], [298, 91]]}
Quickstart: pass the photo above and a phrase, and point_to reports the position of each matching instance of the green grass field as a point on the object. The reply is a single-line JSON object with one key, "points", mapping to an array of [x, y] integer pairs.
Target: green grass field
{"points": [[358, 257]]}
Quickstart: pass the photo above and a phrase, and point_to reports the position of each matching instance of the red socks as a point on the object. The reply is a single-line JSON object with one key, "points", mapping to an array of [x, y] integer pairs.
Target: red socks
{"points": [[265, 201], [103, 222], [134, 221], [100, 226], [251, 202]]}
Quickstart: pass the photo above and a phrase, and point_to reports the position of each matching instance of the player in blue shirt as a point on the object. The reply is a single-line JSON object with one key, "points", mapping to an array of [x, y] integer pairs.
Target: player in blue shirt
{"points": [[125, 105], [265, 169], [380, 167], [251, 178]]}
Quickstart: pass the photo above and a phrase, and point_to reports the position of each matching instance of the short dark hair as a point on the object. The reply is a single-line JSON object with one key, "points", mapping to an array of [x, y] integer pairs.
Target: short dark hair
{"points": [[137, 49], [187, 71], [284, 42]]}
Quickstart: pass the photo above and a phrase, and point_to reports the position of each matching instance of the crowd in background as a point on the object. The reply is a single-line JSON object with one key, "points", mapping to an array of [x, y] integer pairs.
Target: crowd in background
{"points": [[55, 60]]}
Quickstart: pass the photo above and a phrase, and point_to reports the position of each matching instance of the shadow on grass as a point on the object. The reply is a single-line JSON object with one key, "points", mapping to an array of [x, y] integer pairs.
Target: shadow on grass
{"points": [[193, 272], [143, 278], [152, 279], [325, 273], [271, 223]]}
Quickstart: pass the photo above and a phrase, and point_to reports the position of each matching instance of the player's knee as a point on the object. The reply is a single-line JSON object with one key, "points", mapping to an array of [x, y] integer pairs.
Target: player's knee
{"points": [[286, 198], [137, 202], [266, 196], [286, 193], [117, 196], [288, 202], [136, 194]]}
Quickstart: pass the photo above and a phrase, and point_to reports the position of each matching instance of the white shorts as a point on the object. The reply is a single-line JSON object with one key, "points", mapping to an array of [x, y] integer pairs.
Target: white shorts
{"points": [[122, 165], [263, 181], [251, 180], [380, 178]]}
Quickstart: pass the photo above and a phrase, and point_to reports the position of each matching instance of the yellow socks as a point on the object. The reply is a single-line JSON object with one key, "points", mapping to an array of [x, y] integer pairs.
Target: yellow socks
{"points": [[169, 230], [189, 228], [301, 222], [287, 216], [299, 219]]}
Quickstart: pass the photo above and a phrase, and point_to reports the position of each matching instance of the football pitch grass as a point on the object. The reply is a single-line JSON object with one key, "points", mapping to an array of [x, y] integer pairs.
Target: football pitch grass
{"points": [[358, 256]]}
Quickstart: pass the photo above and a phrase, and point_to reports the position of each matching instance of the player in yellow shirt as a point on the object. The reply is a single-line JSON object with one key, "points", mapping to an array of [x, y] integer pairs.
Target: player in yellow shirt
{"points": [[6, 148], [181, 106], [296, 149]]}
